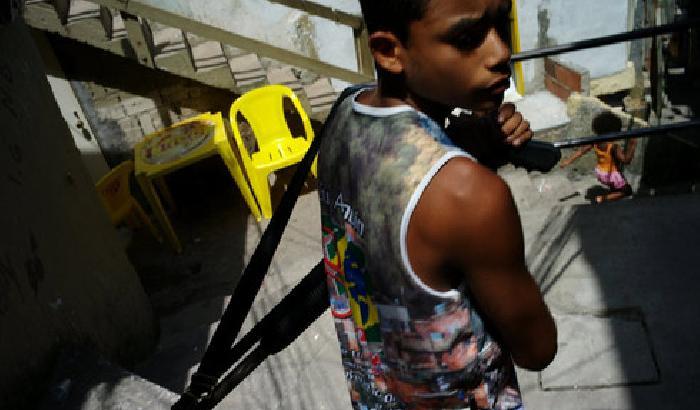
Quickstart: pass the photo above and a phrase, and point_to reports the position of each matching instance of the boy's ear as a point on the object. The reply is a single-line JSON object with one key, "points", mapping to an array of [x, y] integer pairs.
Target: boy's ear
{"points": [[387, 51]]}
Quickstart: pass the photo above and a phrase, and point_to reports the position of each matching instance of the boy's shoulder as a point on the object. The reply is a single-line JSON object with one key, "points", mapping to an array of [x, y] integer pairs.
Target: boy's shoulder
{"points": [[467, 191], [465, 209], [463, 181]]}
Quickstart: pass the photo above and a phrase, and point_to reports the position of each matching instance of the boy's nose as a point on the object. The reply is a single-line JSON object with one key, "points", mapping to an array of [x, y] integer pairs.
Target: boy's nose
{"points": [[498, 51]]}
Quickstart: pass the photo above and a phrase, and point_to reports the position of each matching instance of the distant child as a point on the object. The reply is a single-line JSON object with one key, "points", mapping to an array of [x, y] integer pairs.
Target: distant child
{"points": [[611, 158]]}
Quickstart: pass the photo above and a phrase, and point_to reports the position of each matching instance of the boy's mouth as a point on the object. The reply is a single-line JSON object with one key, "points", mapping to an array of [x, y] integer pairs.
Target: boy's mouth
{"points": [[500, 86]]}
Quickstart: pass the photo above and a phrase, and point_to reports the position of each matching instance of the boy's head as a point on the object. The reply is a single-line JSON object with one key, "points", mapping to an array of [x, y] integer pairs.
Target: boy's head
{"points": [[392, 15], [452, 53], [606, 122]]}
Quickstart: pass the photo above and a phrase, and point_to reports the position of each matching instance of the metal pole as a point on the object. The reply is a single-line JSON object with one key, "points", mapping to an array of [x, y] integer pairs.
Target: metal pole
{"points": [[636, 133], [606, 40]]}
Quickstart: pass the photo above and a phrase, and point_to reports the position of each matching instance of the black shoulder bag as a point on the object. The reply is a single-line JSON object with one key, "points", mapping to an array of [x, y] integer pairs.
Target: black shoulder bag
{"points": [[285, 322]]}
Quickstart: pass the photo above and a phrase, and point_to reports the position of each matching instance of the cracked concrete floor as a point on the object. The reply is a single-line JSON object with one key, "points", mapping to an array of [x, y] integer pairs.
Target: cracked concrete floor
{"points": [[620, 279]]}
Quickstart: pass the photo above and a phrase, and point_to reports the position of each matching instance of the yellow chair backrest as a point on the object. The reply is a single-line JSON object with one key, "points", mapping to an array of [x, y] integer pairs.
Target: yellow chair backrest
{"points": [[113, 190], [263, 108]]}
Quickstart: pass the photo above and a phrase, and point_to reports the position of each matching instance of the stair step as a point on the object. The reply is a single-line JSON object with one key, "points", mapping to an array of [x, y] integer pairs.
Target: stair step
{"points": [[178, 52], [113, 24], [81, 10], [321, 95], [285, 76], [206, 54], [85, 381], [166, 40], [247, 71], [43, 16]]}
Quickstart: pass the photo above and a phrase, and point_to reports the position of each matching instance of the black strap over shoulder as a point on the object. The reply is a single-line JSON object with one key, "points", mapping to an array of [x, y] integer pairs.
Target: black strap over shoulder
{"points": [[307, 301]]}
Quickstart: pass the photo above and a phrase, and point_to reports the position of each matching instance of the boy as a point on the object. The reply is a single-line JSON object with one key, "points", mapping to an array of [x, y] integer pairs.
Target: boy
{"points": [[422, 245]]}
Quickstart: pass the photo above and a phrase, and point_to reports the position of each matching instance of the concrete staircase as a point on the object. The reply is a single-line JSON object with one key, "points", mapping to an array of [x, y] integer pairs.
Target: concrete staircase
{"points": [[185, 53]]}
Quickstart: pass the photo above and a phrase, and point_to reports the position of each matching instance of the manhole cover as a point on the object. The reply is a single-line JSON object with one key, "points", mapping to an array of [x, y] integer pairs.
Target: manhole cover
{"points": [[601, 351]]}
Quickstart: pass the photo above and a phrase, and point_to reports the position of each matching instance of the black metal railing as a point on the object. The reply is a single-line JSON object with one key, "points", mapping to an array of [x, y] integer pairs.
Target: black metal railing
{"points": [[636, 34], [656, 131]]}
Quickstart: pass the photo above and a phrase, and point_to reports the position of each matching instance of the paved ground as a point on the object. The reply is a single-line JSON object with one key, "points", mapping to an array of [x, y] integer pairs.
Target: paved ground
{"points": [[190, 302], [620, 278]]}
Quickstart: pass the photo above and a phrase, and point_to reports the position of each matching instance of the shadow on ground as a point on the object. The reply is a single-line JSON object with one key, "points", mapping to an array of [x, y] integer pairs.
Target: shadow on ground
{"points": [[189, 290], [628, 269]]}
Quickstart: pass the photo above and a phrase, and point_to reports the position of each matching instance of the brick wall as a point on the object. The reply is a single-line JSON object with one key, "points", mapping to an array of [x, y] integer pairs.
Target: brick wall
{"points": [[122, 115], [125, 101], [562, 79]]}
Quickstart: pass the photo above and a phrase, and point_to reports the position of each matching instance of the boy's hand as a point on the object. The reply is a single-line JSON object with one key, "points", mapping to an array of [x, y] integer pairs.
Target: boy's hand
{"points": [[514, 127]]}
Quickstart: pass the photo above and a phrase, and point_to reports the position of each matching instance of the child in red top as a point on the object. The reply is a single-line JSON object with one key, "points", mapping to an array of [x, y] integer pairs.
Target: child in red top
{"points": [[611, 157]]}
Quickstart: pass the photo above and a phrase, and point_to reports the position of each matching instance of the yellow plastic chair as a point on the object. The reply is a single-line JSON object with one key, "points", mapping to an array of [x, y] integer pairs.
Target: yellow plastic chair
{"points": [[113, 190], [263, 109]]}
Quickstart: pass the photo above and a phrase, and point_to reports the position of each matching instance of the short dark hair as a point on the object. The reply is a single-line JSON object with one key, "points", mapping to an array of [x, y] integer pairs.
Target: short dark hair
{"points": [[392, 15], [606, 122]]}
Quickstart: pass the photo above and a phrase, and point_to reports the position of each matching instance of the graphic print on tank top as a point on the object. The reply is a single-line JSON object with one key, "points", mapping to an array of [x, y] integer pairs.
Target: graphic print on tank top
{"points": [[403, 345]]}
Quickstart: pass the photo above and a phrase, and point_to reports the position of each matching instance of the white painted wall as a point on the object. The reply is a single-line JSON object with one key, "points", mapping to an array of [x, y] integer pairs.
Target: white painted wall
{"points": [[335, 42], [572, 20], [274, 24]]}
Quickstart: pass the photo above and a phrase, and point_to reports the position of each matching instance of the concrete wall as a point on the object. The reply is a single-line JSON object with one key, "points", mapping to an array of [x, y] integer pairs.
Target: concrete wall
{"points": [[542, 23], [550, 22], [64, 279], [278, 25], [72, 112]]}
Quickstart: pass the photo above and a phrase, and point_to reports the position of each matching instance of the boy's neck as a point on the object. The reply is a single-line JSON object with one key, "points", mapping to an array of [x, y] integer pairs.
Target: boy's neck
{"points": [[390, 95]]}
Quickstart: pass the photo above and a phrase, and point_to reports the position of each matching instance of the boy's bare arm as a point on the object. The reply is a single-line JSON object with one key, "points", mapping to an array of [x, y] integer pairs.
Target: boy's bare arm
{"points": [[467, 219]]}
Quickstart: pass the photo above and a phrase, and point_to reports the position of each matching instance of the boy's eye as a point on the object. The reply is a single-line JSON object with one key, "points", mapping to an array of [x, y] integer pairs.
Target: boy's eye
{"points": [[469, 35], [502, 26], [469, 39]]}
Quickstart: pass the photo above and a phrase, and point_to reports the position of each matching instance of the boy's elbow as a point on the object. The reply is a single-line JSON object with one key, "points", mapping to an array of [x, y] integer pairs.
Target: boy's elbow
{"points": [[537, 361], [541, 349]]}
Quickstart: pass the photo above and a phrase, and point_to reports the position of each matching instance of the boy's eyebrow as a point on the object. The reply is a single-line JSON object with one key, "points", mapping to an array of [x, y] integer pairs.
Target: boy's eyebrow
{"points": [[469, 23], [464, 24]]}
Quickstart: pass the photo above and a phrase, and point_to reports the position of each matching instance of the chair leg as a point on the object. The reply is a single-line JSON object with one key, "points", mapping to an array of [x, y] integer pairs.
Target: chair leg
{"points": [[132, 220], [165, 193], [141, 215], [261, 188], [314, 167], [157, 207], [236, 172]]}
